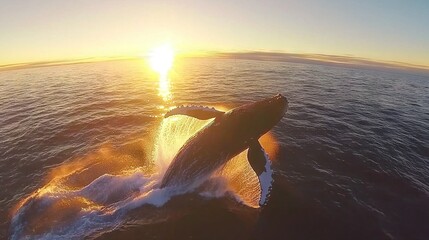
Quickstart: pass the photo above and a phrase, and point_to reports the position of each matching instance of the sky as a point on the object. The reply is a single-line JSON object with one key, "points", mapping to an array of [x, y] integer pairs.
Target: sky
{"points": [[49, 30]]}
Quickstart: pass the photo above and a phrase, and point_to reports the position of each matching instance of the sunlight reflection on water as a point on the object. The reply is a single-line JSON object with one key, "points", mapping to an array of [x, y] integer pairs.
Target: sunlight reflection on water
{"points": [[164, 88]]}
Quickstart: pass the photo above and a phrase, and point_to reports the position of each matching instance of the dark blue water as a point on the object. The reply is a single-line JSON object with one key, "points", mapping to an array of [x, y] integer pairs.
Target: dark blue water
{"points": [[352, 159]]}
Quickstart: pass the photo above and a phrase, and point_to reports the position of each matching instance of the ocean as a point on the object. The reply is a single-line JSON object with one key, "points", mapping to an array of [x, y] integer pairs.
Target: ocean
{"points": [[83, 147]]}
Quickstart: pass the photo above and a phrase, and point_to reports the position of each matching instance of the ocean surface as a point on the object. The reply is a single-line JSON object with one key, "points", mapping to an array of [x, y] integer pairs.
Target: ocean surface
{"points": [[83, 147]]}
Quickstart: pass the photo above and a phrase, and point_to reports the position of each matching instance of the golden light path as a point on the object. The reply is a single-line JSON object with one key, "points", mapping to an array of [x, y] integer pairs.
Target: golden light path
{"points": [[161, 60]]}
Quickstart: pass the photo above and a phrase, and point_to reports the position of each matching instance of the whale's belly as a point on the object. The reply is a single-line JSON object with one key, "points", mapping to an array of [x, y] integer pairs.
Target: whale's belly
{"points": [[193, 165], [203, 154], [197, 160]]}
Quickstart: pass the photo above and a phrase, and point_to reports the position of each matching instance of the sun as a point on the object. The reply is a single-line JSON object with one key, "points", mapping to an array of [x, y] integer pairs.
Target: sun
{"points": [[161, 59]]}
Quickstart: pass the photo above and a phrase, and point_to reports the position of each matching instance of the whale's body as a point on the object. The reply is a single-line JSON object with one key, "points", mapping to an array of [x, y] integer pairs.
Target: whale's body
{"points": [[227, 135]]}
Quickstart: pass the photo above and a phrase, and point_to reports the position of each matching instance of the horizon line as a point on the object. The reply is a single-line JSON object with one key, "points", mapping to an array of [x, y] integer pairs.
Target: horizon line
{"points": [[306, 58]]}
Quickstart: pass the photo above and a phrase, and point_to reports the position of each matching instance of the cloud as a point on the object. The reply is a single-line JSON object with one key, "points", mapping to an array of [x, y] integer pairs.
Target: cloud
{"points": [[53, 63]]}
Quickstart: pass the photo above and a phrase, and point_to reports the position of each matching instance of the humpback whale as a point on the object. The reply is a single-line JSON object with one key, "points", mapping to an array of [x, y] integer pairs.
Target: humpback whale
{"points": [[227, 135]]}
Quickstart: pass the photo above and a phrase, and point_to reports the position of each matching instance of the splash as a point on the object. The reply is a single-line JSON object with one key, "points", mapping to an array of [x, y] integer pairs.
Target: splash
{"points": [[94, 194]]}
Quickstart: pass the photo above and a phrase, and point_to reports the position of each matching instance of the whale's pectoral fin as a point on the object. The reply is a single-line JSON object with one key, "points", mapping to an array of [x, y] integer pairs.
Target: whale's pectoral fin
{"points": [[202, 113], [261, 164]]}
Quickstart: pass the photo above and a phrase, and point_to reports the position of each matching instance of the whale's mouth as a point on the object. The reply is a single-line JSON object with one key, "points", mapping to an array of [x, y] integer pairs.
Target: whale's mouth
{"points": [[97, 193]]}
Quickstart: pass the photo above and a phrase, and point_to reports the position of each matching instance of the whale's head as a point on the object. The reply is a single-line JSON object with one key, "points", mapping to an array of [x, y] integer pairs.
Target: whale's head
{"points": [[252, 120]]}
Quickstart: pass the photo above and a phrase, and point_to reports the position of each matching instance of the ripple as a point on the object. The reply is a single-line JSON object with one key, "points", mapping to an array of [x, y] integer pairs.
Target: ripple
{"points": [[354, 142]]}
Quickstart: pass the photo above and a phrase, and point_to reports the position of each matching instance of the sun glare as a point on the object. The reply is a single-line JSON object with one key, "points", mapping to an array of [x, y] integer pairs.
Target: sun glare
{"points": [[161, 59]]}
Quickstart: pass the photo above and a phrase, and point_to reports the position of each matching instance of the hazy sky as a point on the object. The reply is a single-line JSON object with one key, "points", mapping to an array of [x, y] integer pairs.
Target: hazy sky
{"points": [[40, 30]]}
